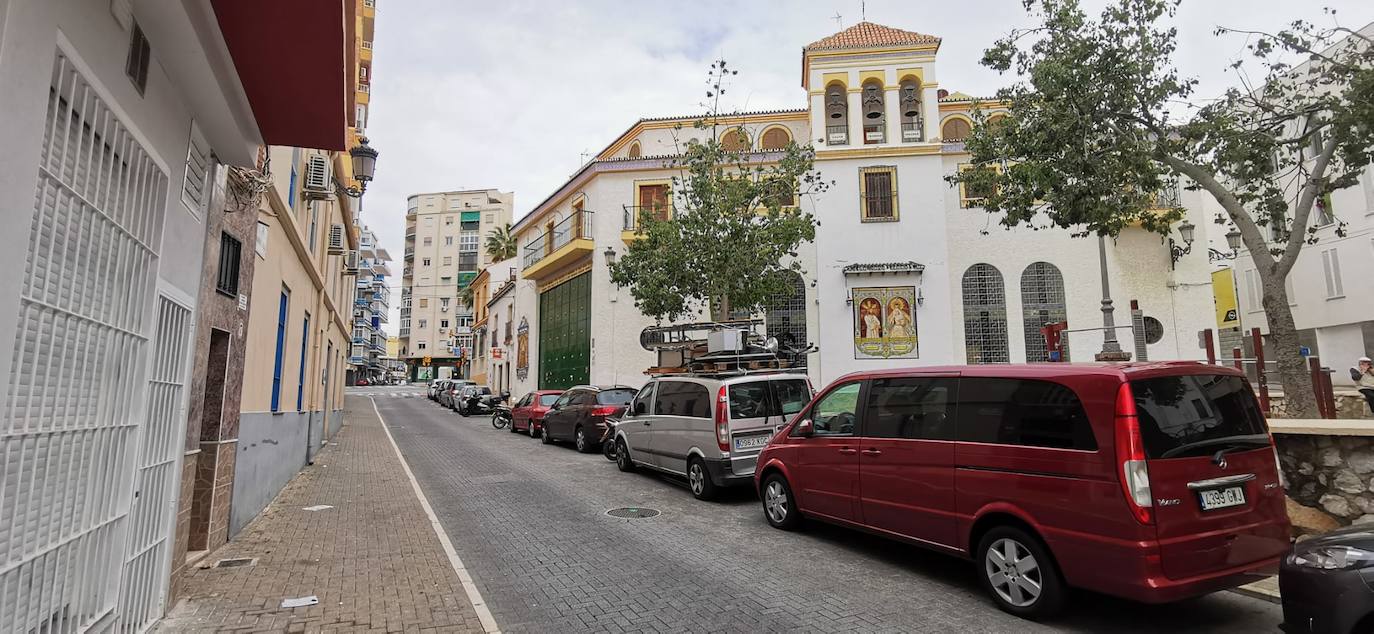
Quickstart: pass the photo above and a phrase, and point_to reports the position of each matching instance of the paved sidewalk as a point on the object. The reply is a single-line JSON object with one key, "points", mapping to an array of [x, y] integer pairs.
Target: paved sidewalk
{"points": [[373, 560]]}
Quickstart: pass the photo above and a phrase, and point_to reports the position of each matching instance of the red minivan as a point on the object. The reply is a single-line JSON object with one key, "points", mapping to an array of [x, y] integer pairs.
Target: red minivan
{"points": [[1150, 481]]}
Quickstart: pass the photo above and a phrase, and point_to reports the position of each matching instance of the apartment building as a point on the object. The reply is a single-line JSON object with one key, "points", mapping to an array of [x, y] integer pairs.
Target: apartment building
{"points": [[371, 309], [444, 252], [130, 128], [486, 324]]}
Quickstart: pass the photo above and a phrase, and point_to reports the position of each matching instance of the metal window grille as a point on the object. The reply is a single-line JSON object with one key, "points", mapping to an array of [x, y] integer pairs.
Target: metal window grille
{"points": [[785, 318], [69, 429], [1042, 302], [985, 315], [230, 253]]}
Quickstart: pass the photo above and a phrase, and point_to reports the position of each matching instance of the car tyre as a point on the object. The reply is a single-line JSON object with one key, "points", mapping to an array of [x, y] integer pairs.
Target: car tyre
{"points": [[622, 457], [545, 438], [581, 442], [534, 433], [699, 479], [779, 505], [1018, 573]]}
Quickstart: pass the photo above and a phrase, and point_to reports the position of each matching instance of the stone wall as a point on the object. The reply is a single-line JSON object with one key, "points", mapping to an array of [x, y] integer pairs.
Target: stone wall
{"points": [[1349, 405], [1332, 473]]}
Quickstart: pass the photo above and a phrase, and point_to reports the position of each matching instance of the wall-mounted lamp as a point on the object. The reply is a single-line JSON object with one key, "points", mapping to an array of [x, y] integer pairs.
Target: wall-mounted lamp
{"points": [[1185, 231], [920, 297], [610, 255], [1232, 242]]}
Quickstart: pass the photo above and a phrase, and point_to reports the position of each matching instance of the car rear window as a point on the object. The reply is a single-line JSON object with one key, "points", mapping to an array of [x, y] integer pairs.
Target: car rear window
{"points": [[1182, 416], [759, 399], [615, 397], [1022, 412], [548, 399]]}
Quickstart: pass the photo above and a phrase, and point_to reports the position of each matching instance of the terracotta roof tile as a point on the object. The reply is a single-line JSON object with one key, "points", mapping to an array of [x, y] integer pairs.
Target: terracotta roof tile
{"points": [[870, 35]]}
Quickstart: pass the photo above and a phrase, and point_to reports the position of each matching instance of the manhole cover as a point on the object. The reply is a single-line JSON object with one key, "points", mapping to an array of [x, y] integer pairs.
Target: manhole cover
{"points": [[632, 512], [234, 563]]}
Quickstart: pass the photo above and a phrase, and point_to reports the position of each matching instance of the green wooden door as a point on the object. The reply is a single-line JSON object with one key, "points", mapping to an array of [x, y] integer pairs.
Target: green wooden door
{"points": [[565, 338]]}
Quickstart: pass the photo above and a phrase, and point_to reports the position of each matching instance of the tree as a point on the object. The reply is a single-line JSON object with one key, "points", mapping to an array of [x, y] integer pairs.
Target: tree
{"points": [[731, 239], [1100, 120], [501, 244]]}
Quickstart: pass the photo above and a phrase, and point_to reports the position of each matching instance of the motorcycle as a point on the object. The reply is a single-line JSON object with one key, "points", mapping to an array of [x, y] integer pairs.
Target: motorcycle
{"points": [[608, 445], [477, 404], [501, 417]]}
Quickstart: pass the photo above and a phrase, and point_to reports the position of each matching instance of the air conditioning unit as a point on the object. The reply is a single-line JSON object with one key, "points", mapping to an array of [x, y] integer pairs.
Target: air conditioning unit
{"points": [[351, 263], [318, 184], [336, 239], [443, 309]]}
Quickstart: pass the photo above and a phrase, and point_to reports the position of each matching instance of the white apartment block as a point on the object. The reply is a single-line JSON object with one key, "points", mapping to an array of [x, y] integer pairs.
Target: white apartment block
{"points": [[444, 250], [371, 308]]}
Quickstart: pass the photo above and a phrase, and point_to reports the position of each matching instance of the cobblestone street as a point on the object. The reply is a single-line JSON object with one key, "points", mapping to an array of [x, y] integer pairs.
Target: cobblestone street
{"points": [[373, 559], [529, 522]]}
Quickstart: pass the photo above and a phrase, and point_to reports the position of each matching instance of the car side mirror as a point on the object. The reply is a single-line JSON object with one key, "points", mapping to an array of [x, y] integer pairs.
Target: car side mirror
{"points": [[806, 428], [641, 408]]}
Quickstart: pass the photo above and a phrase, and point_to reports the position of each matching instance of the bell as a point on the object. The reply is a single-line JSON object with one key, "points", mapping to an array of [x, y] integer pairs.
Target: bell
{"points": [[835, 106], [873, 102], [911, 102]]}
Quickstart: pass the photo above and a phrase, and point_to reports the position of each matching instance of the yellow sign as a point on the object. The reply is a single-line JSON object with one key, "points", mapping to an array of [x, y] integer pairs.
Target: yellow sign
{"points": [[1224, 293], [425, 361]]}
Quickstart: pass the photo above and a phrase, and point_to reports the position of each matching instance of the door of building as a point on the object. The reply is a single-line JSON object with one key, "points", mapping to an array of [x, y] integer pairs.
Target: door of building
{"points": [[565, 338]]}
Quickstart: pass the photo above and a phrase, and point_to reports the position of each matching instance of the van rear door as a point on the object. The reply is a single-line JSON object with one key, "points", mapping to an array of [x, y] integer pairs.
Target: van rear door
{"points": [[1218, 502], [758, 407]]}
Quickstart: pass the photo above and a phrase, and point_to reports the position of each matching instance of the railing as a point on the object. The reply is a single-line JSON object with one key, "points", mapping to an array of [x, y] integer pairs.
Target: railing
{"points": [[630, 220], [578, 225], [837, 135], [912, 131], [364, 88], [1168, 196]]}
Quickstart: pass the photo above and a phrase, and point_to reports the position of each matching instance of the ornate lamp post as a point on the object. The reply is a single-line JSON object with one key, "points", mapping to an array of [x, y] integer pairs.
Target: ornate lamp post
{"points": [[1111, 350]]}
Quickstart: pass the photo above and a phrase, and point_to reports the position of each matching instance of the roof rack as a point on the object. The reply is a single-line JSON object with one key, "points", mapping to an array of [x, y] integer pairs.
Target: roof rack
{"points": [[687, 350]]}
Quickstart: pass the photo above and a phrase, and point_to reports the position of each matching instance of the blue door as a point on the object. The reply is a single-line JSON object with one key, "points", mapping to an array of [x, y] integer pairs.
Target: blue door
{"points": [[300, 380], [281, 349]]}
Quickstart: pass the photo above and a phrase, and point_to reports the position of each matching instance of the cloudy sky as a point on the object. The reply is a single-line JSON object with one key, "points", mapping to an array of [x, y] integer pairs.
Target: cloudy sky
{"points": [[516, 94]]}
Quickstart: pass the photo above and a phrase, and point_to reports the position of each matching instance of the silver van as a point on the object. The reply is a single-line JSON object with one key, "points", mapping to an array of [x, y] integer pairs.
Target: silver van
{"points": [[709, 430]]}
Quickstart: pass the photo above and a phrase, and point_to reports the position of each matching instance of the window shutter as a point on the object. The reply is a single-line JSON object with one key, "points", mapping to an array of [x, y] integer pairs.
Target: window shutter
{"points": [[863, 195], [197, 181]]}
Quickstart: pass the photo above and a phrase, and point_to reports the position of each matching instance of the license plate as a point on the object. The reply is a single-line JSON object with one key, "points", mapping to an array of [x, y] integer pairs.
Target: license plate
{"points": [[1221, 498], [751, 442]]}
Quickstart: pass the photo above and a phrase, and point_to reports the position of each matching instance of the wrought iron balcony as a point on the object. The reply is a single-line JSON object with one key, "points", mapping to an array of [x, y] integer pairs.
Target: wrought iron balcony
{"points": [[568, 239], [837, 135], [633, 213]]}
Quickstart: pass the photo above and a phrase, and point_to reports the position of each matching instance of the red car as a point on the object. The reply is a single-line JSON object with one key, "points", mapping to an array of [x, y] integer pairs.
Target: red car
{"points": [[527, 414], [1152, 481]]}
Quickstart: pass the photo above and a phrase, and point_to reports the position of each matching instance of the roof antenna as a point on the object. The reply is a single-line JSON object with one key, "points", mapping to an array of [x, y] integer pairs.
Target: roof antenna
{"points": [[838, 19], [863, 11]]}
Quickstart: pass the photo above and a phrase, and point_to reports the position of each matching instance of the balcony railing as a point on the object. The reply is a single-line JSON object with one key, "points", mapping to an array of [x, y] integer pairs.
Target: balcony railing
{"points": [[837, 135], [576, 226], [1168, 196], [875, 134], [634, 212]]}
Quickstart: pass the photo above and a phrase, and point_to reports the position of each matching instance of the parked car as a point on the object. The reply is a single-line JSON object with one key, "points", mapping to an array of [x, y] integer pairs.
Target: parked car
{"points": [[579, 415], [1327, 583], [527, 415], [435, 387], [449, 396], [362, 383], [472, 400], [708, 430], [1152, 481]]}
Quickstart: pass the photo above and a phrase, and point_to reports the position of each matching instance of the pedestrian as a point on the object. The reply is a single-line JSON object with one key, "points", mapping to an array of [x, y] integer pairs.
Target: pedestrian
{"points": [[1363, 374]]}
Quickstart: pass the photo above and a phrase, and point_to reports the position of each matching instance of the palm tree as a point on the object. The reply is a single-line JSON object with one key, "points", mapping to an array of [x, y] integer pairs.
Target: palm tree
{"points": [[501, 244]]}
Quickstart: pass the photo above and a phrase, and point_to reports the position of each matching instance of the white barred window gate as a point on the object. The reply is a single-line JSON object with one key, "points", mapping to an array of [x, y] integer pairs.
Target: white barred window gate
{"points": [[93, 418]]}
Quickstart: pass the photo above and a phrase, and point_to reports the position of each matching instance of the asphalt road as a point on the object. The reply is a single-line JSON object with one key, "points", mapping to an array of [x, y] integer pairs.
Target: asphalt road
{"points": [[530, 524]]}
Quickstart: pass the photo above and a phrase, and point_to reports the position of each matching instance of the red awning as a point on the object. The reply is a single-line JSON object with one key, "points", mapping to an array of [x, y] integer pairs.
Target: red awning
{"points": [[294, 60]]}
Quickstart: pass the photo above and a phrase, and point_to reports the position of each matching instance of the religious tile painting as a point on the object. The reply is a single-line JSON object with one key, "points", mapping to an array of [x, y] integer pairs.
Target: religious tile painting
{"points": [[885, 323]]}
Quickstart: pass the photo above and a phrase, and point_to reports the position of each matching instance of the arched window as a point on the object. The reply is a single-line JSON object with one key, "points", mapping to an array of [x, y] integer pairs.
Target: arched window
{"points": [[1042, 302], [735, 140], [909, 92], [775, 138], [875, 112], [634, 150], [996, 120], [955, 129], [785, 317], [985, 315], [836, 114]]}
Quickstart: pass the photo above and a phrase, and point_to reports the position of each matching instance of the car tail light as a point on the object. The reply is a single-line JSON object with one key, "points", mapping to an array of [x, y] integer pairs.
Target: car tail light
{"points": [[723, 420], [605, 410], [1130, 454]]}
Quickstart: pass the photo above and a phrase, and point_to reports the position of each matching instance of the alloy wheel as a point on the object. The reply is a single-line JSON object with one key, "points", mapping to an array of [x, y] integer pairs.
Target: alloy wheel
{"points": [[696, 478], [581, 441], [775, 502], [1013, 572]]}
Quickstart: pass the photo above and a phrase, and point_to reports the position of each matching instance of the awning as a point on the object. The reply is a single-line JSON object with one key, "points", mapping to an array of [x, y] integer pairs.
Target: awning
{"points": [[294, 59]]}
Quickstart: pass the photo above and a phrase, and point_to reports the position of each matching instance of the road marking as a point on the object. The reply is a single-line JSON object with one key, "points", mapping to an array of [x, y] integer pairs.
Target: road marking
{"points": [[469, 586]]}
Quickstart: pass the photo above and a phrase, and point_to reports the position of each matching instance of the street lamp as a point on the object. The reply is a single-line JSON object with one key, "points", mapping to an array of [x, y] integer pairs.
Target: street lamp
{"points": [[1176, 252], [1232, 242], [1111, 350], [364, 164], [610, 255]]}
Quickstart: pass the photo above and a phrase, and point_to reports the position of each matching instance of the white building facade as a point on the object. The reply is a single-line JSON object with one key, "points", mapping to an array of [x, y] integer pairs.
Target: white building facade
{"points": [[905, 269], [371, 308]]}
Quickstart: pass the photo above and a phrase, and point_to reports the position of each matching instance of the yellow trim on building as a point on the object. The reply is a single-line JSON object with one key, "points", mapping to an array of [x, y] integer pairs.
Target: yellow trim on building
{"points": [[560, 257], [874, 152], [564, 278], [770, 127], [723, 120], [866, 75], [830, 78]]}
